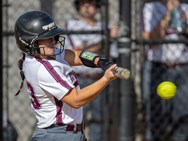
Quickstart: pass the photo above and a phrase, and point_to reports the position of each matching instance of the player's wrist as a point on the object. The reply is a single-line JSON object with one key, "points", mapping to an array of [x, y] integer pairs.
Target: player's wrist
{"points": [[105, 79], [104, 63], [88, 58], [93, 60]]}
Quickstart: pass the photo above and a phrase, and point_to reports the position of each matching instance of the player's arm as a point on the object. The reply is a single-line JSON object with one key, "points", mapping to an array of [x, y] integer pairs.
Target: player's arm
{"points": [[72, 57], [76, 57], [76, 99]]}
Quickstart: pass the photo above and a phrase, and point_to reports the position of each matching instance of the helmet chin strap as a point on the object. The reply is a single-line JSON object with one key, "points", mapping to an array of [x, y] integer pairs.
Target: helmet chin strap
{"points": [[35, 49], [50, 57]]}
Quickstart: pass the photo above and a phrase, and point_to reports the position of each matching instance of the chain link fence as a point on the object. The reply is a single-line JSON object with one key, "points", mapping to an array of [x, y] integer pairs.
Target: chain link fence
{"points": [[156, 119]]}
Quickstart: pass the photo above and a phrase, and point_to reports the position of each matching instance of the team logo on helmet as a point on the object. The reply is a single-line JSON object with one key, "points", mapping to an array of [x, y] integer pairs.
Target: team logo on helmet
{"points": [[49, 26]]}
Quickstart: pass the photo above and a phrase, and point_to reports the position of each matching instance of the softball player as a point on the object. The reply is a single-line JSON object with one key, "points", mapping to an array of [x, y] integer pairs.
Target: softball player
{"points": [[56, 97]]}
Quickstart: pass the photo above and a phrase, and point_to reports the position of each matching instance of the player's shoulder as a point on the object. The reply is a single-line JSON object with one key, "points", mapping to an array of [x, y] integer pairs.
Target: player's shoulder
{"points": [[50, 67], [47, 64], [55, 63]]}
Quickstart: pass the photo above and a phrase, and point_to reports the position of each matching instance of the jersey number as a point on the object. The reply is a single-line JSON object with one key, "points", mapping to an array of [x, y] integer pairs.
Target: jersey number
{"points": [[34, 100]]}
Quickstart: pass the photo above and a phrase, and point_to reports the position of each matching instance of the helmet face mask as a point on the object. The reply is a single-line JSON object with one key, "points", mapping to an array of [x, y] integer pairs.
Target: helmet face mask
{"points": [[33, 26], [58, 47]]}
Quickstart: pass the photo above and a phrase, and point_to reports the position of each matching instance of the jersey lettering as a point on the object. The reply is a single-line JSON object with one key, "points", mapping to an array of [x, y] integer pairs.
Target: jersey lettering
{"points": [[73, 78]]}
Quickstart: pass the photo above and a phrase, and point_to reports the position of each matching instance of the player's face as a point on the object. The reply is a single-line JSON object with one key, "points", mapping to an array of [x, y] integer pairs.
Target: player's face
{"points": [[88, 10], [47, 46]]}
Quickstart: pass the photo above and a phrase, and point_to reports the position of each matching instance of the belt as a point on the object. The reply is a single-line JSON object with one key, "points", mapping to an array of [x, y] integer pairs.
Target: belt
{"points": [[69, 127]]}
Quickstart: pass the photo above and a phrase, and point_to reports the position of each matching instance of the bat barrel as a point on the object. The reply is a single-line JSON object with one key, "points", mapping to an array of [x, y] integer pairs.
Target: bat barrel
{"points": [[122, 73]]}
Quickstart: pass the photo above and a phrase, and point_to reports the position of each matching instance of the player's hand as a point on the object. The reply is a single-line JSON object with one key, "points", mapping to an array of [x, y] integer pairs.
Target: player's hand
{"points": [[109, 73]]}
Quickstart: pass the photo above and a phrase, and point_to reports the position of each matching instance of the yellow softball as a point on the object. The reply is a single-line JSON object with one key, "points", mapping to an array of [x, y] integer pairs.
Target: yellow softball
{"points": [[166, 90]]}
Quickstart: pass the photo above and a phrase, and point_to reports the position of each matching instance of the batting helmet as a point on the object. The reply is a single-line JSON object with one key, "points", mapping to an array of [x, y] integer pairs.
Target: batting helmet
{"points": [[77, 3], [33, 26]]}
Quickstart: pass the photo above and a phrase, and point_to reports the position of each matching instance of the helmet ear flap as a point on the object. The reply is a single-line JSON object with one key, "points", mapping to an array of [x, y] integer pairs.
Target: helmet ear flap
{"points": [[31, 49], [23, 43]]}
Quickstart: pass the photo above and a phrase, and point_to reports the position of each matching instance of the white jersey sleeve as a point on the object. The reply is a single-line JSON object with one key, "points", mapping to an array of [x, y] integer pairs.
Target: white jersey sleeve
{"points": [[54, 79]]}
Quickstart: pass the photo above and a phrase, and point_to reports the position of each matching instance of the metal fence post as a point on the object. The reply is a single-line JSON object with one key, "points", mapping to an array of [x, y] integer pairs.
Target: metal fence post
{"points": [[105, 43], [1, 74], [127, 97]]}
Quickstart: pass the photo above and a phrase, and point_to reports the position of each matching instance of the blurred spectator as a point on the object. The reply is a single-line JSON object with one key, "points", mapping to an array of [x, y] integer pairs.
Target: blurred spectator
{"points": [[165, 19], [87, 21]]}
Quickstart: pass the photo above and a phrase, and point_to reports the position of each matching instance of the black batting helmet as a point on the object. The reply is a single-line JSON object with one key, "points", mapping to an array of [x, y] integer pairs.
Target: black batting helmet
{"points": [[33, 26], [77, 3]]}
